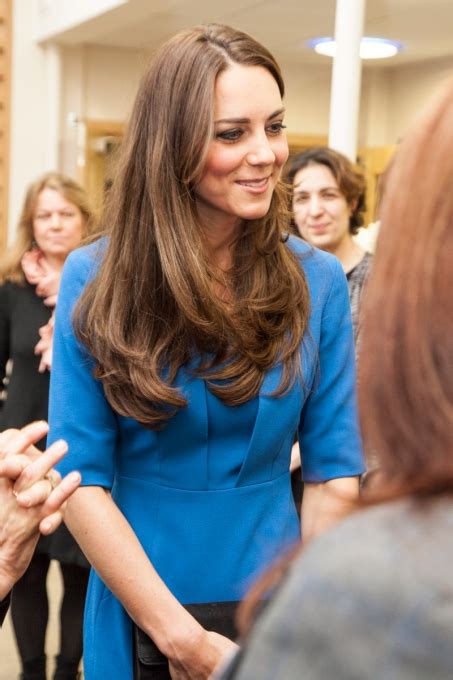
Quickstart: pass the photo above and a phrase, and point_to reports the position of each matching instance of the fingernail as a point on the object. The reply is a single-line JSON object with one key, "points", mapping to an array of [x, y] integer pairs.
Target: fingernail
{"points": [[41, 425], [60, 445], [75, 476], [24, 500], [46, 526]]}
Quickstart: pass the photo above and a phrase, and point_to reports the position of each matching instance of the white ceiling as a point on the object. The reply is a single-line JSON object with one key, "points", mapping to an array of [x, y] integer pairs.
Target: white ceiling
{"points": [[424, 26]]}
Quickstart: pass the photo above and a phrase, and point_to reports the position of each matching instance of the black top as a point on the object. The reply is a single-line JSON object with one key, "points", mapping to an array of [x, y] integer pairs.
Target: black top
{"points": [[22, 313]]}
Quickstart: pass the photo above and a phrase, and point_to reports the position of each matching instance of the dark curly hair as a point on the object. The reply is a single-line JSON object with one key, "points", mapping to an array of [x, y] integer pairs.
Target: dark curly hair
{"points": [[350, 181]]}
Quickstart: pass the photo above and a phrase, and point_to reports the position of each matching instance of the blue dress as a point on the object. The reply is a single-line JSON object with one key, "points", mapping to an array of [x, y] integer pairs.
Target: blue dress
{"points": [[208, 496]]}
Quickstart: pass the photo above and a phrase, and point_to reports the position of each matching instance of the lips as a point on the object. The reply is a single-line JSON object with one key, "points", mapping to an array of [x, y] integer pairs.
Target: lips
{"points": [[255, 187], [318, 227], [253, 183]]}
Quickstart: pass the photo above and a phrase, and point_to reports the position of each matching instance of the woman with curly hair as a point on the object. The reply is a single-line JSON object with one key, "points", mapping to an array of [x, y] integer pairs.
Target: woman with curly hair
{"points": [[328, 200]]}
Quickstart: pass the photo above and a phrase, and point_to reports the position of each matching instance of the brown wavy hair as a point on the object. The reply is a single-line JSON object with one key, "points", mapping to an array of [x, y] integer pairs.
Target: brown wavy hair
{"points": [[351, 181], [406, 360], [153, 305], [10, 267]]}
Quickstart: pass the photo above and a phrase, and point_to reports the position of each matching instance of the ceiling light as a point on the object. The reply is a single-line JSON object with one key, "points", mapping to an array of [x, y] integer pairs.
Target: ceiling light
{"points": [[370, 48]]}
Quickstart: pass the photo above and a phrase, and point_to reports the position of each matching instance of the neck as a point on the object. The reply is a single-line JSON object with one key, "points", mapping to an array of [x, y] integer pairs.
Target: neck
{"points": [[219, 241], [348, 252], [54, 262]]}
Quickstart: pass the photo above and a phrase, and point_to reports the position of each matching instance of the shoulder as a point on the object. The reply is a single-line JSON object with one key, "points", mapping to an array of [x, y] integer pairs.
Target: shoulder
{"points": [[361, 271], [318, 265], [323, 271], [10, 291], [372, 593], [8, 287], [83, 263], [379, 554], [80, 268]]}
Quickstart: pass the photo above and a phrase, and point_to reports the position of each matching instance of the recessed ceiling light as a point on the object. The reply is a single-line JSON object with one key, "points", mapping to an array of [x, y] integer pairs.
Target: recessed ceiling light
{"points": [[370, 48]]}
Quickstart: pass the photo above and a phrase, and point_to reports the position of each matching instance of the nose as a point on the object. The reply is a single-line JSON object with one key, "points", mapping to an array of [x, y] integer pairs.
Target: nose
{"points": [[261, 152], [55, 221], [315, 206]]}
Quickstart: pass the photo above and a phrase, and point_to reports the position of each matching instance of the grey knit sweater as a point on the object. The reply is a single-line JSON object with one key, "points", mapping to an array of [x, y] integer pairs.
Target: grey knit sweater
{"points": [[370, 600]]}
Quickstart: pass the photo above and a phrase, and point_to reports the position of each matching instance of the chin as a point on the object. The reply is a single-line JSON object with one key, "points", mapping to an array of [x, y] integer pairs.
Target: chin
{"points": [[255, 213]]}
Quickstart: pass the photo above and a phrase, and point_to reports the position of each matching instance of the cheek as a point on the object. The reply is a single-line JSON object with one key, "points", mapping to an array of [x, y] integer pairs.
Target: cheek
{"points": [[300, 212], [341, 212], [75, 231], [281, 152], [221, 163], [300, 217], [38, 233]]}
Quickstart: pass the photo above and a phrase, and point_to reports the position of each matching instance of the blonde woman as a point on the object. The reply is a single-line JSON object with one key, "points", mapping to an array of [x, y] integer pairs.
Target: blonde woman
{"points": [[55, 217]]}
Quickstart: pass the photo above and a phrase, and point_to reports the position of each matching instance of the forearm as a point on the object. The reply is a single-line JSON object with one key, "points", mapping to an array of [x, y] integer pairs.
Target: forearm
{"points": [[113, 549], [295, 458], [325, 504], [15, 556]]}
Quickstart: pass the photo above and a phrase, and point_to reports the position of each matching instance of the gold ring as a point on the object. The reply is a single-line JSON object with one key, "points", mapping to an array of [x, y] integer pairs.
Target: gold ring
{"points": [[52, 479]]}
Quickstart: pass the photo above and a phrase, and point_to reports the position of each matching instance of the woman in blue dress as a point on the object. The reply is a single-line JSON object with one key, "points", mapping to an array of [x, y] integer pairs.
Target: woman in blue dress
{"points": [[189, 348]]}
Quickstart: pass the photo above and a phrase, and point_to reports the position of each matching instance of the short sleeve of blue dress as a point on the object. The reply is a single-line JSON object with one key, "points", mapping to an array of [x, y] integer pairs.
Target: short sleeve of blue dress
{"points": [[209, 495], [78, 410], [328, 432]]}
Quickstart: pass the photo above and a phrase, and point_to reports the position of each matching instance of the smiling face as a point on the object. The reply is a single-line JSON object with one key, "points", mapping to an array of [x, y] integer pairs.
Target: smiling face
{"points": [[248, 151], [321, 212], [58, 225]]}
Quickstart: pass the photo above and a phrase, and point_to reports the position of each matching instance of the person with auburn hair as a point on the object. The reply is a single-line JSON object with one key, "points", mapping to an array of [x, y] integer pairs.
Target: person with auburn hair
{"points": [[328, 201], [55, 216], [203, 338], [373, 597]]}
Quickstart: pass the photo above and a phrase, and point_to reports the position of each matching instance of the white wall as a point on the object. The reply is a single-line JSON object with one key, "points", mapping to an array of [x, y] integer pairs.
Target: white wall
{"points": [[307, 98], [100, 83], [55, 16], [29, 149], [410, 88], [375, 108], [112, 77]]}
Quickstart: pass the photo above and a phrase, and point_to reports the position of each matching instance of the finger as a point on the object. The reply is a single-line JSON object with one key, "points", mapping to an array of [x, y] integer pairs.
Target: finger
{"points": [[13, 466], [13, 442], [36, 494], [62, 492], [50, 523], [41, 466]]}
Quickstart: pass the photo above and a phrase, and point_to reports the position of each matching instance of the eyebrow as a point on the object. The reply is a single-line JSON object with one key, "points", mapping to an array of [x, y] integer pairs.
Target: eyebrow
{"points": [[243, 121], [299, 189]]}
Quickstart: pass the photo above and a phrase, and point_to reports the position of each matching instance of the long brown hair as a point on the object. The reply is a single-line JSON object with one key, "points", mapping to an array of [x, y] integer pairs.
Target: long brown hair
{"points": [[406, 360], [350, 180], [153, 305], [10, 267], [406, 386]]}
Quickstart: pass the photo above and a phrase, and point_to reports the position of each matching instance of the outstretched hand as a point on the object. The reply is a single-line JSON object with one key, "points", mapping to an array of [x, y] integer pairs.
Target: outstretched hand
{"points": [[32, 497]]}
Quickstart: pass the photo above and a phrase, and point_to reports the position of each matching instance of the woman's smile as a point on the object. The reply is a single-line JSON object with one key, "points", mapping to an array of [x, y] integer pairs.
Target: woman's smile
{"points": [[248, 150], [256, 186]]}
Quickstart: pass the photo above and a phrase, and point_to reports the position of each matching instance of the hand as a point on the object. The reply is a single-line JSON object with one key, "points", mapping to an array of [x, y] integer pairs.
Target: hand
{"points": [[204, 657], [32, 497]]}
